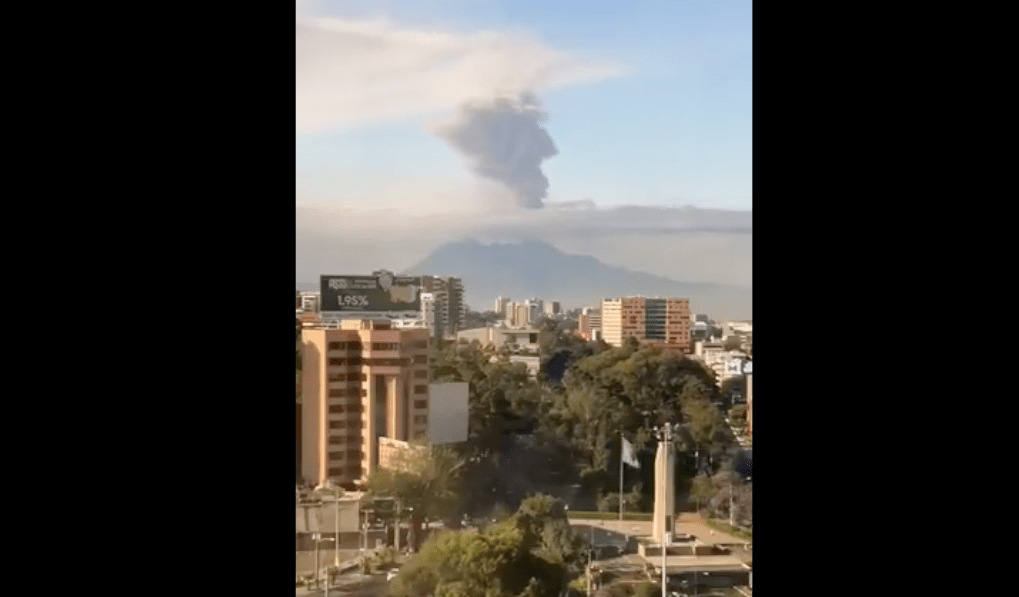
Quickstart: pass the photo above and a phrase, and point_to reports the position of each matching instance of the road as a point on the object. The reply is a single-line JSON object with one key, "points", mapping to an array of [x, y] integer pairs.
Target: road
{"points": [[353, 585]]}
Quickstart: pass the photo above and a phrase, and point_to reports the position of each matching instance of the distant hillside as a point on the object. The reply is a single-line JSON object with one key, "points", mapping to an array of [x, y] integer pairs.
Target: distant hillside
{"points": [[537, 269]]}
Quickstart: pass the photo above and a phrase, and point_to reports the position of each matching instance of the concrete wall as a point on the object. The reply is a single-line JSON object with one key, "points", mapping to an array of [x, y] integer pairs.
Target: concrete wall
{"points": [[321, 518], [448, 412]]}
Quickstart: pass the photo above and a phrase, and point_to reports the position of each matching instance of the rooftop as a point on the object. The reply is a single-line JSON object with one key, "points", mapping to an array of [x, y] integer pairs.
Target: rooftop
{"points": [[679, 564]]}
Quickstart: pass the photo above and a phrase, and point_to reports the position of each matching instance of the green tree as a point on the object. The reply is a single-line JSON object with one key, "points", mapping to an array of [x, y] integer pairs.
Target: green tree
{"points": [[494, 563], [546, 529], [702, 490], [631, 389], [427, 484]]}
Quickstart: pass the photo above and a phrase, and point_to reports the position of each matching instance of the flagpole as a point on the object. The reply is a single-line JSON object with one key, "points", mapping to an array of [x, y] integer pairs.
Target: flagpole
{"points": [[622, 449]]}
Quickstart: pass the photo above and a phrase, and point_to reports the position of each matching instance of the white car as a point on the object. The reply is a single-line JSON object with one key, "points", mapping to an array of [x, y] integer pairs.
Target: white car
{"points": [[392, 574]]}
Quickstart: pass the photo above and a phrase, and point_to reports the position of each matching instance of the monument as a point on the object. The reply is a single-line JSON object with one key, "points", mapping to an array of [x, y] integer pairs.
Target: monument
{"points": [[665, 489]]}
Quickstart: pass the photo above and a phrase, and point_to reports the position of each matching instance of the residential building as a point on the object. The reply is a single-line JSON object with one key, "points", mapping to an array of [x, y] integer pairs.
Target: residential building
{"points": [[738, 328], [525, 339], [657, 321], [552, 308], [450, 308], [718, 359], [510, 313], [500, 304], [361, 380], [534, 310], [521, 315], [309, 302], [532, 363], [589, 323]]}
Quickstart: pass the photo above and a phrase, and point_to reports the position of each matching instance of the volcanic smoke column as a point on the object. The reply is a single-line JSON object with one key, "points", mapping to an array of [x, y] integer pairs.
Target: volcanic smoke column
{"points": [[504, 141]]}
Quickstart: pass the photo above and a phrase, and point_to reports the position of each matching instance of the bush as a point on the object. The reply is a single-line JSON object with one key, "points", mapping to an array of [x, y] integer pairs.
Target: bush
{"points": [[610, 502], [578, 588]]}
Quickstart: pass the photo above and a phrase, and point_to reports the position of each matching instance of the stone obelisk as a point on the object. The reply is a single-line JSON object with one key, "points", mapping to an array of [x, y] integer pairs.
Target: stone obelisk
{"points": [[665, 491]]}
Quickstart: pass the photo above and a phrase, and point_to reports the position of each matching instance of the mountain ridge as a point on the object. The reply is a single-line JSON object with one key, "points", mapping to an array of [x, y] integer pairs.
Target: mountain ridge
{"points": [[536, 268]]}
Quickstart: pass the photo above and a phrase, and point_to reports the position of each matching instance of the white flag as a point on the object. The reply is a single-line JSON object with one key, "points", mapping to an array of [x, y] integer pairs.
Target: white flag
{"points": [[628, 456]]}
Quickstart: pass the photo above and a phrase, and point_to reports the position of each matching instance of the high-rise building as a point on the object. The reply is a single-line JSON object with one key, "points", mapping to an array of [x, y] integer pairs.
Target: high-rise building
{"points": [[534, 307], [552, 308], [450, 308], [360, 381], [521, 315], [500, 304], [590, 323], [657, 321]]}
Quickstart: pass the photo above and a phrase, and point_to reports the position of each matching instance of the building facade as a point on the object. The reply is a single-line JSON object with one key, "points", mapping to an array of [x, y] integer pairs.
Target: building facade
{"points": [[750, 405], [526, 339], [500, 304], [360, 381], [450, 308], [589, 323], [657, 321], [552, 308]]}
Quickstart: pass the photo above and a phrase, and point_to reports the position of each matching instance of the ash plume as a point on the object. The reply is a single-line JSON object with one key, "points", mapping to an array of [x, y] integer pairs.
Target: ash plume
{"points": [[505, 142]]}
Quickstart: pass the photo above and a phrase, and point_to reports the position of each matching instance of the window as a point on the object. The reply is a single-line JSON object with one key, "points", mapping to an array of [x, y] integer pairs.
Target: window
{"points": [[340, 393], [334, 345], [420, 419], [421, 374], [354, 454], [337, 439], [354, 470], [336, 456], [337, 424], [364, 377], [336, 472], [420, 404], [420, 359], [337, 362], [385, 346], [420, 389], [335, 408], [337, 377]]}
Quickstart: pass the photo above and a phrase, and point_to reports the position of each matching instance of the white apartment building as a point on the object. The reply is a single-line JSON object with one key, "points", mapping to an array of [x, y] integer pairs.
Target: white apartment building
{"points": [[528, 339], [716, 358], [612, 321]]}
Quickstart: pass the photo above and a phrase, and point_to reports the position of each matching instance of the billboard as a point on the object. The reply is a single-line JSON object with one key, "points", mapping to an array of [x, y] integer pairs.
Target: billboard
{"points": [[382, 292]]}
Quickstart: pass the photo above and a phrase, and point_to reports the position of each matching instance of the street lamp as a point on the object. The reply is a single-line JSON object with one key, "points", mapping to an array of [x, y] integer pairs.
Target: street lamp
{"points": [[317, 538], [336, 492]]}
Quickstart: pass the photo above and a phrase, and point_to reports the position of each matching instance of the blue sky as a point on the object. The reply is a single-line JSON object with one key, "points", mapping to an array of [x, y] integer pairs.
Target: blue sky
{"points": [[649, 105], [675, 128]]}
